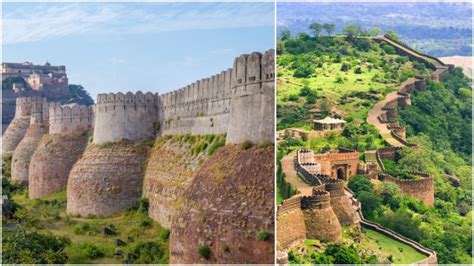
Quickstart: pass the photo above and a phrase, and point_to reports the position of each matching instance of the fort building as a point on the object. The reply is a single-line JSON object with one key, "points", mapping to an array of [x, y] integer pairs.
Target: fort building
{"points": [[329, 123]]}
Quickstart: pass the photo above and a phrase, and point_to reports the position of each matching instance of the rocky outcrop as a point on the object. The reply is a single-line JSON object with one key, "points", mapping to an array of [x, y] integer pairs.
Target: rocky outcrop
{"points": [[107, 179], [229, 210], [52, 162]]}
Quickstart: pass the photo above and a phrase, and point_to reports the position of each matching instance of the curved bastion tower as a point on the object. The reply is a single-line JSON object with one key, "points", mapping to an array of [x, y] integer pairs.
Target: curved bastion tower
{"points": [[59, 150], [20, 123], [25, 149], [108, 178]]}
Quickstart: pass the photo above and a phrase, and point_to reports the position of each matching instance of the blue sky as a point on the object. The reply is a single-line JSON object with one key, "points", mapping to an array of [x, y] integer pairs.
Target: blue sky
{"points": [[135, 46]]}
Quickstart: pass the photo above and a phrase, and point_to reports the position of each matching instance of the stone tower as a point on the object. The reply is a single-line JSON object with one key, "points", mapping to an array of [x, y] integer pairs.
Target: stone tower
{"points": [[320, 220], [23, 152]]}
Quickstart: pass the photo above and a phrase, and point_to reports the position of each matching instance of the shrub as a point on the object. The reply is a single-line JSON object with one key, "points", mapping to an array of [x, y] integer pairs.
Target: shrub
{"points": [[86, 228], [246, 145], [342, 254], [165, 235], [204, 252], [21, 246], [146, 252], [215, 145], [143, 205], [264, 235], [359, 184]]}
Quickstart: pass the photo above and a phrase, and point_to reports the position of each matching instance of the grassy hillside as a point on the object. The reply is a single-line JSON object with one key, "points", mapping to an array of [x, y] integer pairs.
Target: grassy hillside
{"points": [[320, 76]]}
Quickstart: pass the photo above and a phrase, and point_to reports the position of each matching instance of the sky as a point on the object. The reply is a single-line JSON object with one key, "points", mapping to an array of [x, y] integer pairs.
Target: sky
{"points": [[157, 47]]}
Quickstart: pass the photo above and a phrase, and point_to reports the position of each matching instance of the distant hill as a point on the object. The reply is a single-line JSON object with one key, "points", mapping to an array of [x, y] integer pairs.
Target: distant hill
{"points": [[438, 29]]}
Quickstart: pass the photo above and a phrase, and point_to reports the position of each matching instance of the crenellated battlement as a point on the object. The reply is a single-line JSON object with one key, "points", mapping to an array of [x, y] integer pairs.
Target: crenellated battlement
{"points": [[129, 98], [25, 104], [320, 199], [70, 118]]}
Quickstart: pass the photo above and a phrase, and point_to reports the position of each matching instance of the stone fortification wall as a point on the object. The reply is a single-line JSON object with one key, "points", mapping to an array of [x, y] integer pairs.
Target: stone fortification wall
{"points": [[227, 206], [127, 116], [62, 147], [37, 128], [70, 119], [52, 162], [106, 180], [167, 177], [388, 153], [20, 123], [253, 97], [291, 229], [200, 108], [332, 162], [238, 101], [420, 189], [320, 220], [340, 203]]}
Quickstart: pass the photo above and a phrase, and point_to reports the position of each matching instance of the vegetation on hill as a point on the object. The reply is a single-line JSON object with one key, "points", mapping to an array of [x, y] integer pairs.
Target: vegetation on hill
{"points": [[340, 76], [7, 84], [443, 113], [80, 95], [320, 76], [39, 231]]}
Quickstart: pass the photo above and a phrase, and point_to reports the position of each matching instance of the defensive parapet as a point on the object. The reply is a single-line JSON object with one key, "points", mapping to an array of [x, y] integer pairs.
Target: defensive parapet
{"points": [[320, 220], [125, 116], [68, 119], [419, 189], [252, 101], [20, 123], [291, 229]]}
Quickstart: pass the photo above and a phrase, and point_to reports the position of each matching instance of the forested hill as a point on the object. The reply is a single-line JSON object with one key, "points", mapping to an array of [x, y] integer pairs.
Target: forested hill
{"points": [[438, 29]]}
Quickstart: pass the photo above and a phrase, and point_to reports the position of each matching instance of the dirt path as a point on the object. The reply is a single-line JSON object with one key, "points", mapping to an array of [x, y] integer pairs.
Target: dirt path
{"points": [[372, 117], [288, 167]]}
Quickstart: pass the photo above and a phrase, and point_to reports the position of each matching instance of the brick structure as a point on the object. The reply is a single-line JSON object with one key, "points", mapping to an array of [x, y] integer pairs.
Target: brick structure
{"points": [[291, 229], [420, 189], [341, 165]]}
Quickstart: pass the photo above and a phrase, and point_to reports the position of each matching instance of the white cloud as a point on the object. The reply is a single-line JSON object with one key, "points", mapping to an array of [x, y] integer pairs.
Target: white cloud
{"points": [[35, 22]]}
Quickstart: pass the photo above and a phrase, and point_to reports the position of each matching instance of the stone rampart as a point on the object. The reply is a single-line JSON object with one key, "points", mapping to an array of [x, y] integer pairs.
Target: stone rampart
{"points": [[126, 116], [253, 99], [20, 123], [52, 162], [70, 119], [320, 220], [106, 180], [420, 189], [291, 229], [37, 128]]}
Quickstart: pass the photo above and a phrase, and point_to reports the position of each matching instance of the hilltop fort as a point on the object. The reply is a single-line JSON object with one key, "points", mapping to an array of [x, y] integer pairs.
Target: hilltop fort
{"points": [[103, 154]]}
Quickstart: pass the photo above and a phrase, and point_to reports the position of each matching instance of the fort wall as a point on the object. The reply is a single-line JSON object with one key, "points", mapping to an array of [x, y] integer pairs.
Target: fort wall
{"points": [[320, 220], [126, 116], [20, 123], [52, 162], [291, 229], [106, 180], [70, 119], [37, 128], [420, 189]]}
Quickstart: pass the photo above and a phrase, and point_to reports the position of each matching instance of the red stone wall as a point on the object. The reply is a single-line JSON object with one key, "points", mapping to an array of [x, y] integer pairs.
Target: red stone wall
{"points": [[52, 162], [106, 180], [230, 201]]}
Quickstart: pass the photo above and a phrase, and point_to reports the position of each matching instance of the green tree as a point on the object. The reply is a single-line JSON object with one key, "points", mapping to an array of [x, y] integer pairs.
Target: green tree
{"points": [[329, 28], [316, 28], [352, 31], [359, 183], [375, 31], [370, 203], [285, 34], [393, 35], [22, 247], [342, 254]]}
